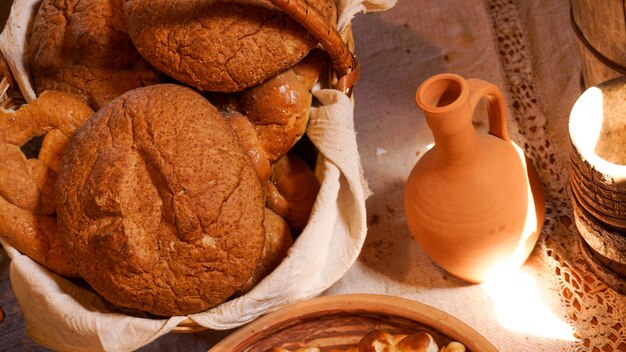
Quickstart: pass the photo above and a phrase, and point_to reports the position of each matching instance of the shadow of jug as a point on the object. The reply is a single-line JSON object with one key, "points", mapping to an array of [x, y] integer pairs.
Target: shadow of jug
{"points": [[473, 202]]}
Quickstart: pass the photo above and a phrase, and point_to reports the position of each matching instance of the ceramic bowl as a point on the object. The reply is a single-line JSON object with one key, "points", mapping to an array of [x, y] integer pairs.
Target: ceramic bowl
{"points": [[340, 321]]}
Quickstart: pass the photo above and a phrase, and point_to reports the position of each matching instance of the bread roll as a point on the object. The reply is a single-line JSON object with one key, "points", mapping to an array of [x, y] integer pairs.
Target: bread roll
{"points": [[292, 190], [277, 243], [278, 110], [217, 45], [382, 341], [83, 47], [158, 204]]}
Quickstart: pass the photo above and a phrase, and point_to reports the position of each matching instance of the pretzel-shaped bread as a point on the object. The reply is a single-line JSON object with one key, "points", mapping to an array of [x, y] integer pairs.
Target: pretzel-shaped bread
{"points": [[27, 212]]}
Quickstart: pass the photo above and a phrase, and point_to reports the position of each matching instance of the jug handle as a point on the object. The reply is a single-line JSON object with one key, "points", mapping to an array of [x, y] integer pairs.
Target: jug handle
{"points": [[479, 89]]}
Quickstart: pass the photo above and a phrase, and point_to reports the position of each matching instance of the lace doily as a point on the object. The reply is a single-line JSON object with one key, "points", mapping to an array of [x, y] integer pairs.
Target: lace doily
{"points": [[596, 312]]}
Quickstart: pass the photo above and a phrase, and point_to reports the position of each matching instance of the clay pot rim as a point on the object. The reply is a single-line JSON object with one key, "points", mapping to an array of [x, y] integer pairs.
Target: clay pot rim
{"points": [[424, 104], [579, 126]]}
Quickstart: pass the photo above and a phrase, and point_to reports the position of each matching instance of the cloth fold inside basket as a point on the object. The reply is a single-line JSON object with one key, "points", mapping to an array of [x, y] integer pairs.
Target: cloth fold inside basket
{"points": [[63, 315]]}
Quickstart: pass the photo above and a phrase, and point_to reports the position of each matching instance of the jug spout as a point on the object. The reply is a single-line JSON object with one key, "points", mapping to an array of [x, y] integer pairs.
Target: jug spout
{"points": [[448, 102], [444, 99]]}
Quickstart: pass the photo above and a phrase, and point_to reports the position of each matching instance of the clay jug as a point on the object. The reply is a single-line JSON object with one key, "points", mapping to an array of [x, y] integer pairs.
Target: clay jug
{"points": [[473, 202]]}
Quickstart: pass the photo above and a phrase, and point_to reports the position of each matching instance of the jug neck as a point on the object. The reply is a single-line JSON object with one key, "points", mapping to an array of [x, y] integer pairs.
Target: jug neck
{"points": [[457, 148], [446, 106]]}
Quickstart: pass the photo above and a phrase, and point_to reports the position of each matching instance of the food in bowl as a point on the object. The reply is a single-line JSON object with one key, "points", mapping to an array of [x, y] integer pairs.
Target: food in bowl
{"points": [[382, 341]]}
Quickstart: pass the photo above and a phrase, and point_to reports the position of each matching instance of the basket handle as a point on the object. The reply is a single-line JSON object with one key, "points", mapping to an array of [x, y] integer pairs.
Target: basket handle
{"points": [[344, 61]]}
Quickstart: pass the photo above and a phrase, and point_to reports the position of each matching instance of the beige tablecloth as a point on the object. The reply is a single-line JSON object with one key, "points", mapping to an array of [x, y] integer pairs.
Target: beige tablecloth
{"points": [[528, 49]]}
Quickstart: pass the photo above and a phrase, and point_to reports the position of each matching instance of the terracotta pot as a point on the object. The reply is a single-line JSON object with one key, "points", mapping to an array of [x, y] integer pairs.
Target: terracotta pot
{"points": [[473, 202], [336, 323]]}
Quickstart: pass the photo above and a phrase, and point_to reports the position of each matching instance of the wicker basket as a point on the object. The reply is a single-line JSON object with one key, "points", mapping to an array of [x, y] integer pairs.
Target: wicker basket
{"points": [[344, 62], [342, 77]]}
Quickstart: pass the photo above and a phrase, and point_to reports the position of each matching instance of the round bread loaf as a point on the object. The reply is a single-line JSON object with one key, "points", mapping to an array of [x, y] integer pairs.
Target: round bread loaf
{"points": [[83, 47], [216, 45], [158, 205]]}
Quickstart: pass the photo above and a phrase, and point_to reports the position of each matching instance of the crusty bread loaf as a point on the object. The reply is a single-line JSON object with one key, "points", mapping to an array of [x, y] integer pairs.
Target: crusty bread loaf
{"points": [[158, 204], [249, 140], [217, 45], [83, 47]]}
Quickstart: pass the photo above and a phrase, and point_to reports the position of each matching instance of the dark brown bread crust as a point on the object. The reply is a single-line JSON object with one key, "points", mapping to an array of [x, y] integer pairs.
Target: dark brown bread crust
{"points": [[158, 204], [217, 45], [83, 47]]}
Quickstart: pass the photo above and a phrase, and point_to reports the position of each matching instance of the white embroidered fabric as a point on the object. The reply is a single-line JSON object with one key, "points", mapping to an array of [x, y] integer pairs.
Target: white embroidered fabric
{"points": [[597, 313]]}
